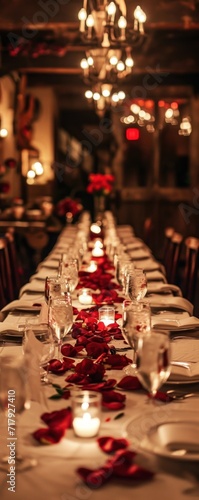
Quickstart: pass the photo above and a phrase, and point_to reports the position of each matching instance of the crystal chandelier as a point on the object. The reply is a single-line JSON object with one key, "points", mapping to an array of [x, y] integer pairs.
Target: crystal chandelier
{"points": [[104, 24]]}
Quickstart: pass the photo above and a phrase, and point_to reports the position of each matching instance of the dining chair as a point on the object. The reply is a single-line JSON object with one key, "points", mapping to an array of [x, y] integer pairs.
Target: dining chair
{"points": [[172, 255], [190, 271], [5, 270], [14, 261]]}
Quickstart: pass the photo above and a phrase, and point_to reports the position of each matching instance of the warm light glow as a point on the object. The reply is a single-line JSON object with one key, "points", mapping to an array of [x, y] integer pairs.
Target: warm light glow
{"points": [[121, 95], [139, 14], [90, 21], [82, 15], [31, 174], [120, 66], [129, 62], [95, 229], [88, 94], [115, 97], [111, 9], [113, 60], [96, 96], [169, 113], [106, 93], [38, 168], [122, 23], [84, 64], [90, 61], [3, 133], [135, 109]]}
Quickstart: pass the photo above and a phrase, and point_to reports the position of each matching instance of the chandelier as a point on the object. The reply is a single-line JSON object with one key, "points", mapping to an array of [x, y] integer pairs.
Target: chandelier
{"points": [[104, 96], [104, 24], [106, 65]]}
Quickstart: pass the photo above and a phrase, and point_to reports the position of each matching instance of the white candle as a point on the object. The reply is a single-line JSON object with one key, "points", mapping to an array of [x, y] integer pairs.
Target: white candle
{"points": [[92, 267], [86, 426], [97, 252], [107, 315], [85, 297]]}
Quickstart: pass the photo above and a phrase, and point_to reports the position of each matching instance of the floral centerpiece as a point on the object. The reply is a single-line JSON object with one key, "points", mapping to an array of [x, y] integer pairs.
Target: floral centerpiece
{"points": [[100, 184], [68, 207]]}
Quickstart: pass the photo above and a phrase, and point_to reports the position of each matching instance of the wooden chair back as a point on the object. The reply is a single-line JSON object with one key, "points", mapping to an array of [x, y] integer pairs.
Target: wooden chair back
{"points": [[190, 272]]}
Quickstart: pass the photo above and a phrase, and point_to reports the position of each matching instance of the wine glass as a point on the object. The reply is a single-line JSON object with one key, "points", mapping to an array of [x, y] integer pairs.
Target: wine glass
{"points": [[136, 323], [69, 273], [153, 360], [43, 342], [137, 284], [60, 318], [54, 287], [14, 399]]}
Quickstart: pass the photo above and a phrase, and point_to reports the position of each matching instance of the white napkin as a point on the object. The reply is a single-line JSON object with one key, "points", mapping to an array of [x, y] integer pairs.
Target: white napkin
{"points": [[148, 264], [50, 264], [171, 302], [187, 351], [135, 244], [157, 287], [139, 254], [155, 276], [190, 323], [22, 304], [33, 286], [43, 273]]}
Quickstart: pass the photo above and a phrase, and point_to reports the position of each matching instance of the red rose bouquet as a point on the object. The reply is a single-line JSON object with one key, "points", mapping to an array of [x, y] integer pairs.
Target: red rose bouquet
{"points": [[100, 184], [67, 205]]}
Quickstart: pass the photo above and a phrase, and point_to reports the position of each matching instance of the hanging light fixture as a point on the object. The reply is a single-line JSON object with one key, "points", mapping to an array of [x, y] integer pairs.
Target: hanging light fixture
{"points": [[106, 65], [104, 23], [104, 96]]}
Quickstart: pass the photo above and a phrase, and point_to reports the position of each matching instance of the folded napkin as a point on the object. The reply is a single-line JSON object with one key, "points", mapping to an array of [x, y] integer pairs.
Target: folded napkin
{"points": [[135, 244], [139, 254], [33, 286], [32, 351], [148, 264], [185, 373], [24, 305], [43, 273], [176, 324], [164, 288], [155, 276], [170, 302], [49, 264]]}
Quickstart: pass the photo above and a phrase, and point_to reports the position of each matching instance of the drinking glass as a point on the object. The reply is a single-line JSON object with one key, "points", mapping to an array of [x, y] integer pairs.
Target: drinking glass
{"points": [[61, 319], [137, 284], [14, 399], [44, 344], [120, 266], [69, 273], [153, 360], [55, 287], [136, 323]]}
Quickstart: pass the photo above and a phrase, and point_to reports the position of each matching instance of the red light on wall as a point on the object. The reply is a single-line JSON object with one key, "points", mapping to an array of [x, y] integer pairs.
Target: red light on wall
{"points": [[132, 134]]}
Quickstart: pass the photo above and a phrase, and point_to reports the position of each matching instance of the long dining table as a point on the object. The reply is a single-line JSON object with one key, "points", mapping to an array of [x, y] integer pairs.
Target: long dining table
{"points": [[119, 462]]}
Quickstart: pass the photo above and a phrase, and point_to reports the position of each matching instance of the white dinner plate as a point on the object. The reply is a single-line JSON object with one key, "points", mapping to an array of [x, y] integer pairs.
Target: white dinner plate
{"points": [[171, 434]]}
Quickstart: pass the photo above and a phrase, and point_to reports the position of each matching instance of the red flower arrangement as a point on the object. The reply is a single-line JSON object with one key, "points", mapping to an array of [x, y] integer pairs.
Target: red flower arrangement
{"points": [[68, 205], [100, 184]]}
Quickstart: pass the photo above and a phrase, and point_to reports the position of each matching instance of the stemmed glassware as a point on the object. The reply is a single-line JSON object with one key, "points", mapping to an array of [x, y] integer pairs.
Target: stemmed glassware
{"points": [[137, 284], [153, 360], [43, 343], [136, 323], [14, 399], [61, 318], [69, 272]]}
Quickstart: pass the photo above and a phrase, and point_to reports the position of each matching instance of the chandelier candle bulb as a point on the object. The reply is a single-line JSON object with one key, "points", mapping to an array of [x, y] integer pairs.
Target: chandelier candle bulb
{"points": [[85, 296]]}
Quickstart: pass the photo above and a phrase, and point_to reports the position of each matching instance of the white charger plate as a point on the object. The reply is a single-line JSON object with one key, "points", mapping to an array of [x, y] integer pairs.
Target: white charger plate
{"points": [[171, 434]]}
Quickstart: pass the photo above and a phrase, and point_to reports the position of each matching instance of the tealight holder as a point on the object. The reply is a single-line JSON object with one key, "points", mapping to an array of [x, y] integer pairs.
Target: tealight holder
{"points": [[107, 314], [85, 296], [86, 413]]}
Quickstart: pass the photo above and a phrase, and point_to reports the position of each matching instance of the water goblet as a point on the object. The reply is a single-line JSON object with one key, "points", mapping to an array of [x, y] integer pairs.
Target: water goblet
{"points": [[14, 399], [44, 344], [136, 323], [61, 319], [153, 360], [137, 284], [70, 274]]}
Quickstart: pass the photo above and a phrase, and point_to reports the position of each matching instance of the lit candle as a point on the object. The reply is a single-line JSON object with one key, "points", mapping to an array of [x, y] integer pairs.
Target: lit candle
{"points": [[86, 426], [85, 296], [107, 315], [92, 267], [97, 252]]}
